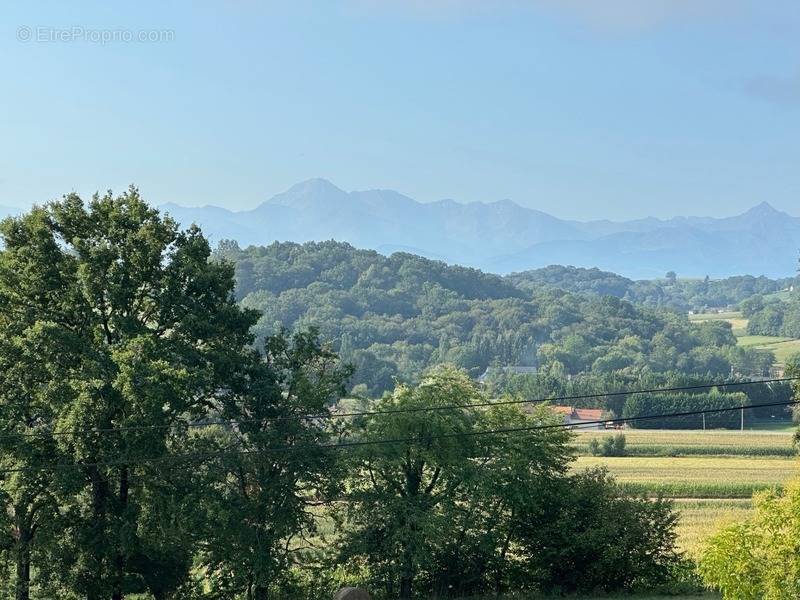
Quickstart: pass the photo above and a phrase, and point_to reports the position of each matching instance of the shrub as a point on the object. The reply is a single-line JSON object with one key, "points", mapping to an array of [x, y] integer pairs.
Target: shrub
{"points": [[610, 446], [757, 558]]}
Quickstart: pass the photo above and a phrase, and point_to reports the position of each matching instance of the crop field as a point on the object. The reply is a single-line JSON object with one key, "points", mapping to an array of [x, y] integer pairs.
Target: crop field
{"points": [[695, 442], [696, 477], [710, 475], [701, 517]]}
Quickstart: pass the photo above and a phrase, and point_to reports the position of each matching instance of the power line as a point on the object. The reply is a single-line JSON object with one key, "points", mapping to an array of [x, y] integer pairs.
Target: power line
{"points": [[418, 409], [406, 440]]}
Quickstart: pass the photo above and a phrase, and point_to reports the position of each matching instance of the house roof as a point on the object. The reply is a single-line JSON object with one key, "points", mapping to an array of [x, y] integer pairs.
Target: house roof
{"points": [[589, 414], [581, 414]]}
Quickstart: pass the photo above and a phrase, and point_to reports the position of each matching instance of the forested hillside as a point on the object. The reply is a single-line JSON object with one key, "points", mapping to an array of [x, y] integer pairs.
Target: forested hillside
{"points": [[393, 317], [670, 292]]}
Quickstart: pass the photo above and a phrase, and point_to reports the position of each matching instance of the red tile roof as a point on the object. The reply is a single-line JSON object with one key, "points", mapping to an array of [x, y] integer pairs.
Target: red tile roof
{"points": [[589, 414], [582, 414]]}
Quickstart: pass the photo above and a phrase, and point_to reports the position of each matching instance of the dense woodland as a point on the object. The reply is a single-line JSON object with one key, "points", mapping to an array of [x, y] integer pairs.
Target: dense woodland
{"points": [[394, 317], [671, 292], [774, 317]]}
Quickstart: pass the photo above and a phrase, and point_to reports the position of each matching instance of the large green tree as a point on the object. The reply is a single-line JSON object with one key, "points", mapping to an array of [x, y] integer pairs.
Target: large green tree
{"points": [[401, 495], [452, 499], [258, 501], [116, 328]]}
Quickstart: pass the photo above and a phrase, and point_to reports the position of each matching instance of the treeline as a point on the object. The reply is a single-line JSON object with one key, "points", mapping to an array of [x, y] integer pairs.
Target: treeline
{"points": [[394, 317], [677, 294], [151, 448], [641, 405], [592, 390]]}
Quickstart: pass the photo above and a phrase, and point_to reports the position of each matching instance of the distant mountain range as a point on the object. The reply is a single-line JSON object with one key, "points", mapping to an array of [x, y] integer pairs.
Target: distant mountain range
{"points": [[504, 237]]}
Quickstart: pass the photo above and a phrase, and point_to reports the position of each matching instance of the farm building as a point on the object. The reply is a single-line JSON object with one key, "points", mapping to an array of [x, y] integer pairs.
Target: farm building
{"points": [[577, 416]]}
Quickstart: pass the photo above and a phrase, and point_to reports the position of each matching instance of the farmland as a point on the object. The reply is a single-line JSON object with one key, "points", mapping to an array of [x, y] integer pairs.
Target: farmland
{"points": [[735, 318], [710, 475], [781, 347]]}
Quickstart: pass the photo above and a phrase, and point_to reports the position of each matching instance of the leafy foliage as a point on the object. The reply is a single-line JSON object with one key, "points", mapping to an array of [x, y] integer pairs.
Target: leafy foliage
{"points": [[757, 557], [678, 294], [642, 405], [394, 317], [470, 514], [117, 334], [775, 318]]}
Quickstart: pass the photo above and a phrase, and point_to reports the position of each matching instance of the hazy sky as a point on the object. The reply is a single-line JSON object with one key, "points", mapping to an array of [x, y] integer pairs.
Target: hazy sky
{"points": [[581, 108]]}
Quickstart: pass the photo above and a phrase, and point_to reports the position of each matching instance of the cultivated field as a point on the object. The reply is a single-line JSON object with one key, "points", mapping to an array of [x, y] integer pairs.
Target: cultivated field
{"points": [[641, 442], [710, 475]]}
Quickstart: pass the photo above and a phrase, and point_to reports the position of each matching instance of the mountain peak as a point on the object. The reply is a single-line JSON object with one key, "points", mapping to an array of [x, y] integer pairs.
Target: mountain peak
{"points": [[314, 185], [308, 192], [763, 209]]}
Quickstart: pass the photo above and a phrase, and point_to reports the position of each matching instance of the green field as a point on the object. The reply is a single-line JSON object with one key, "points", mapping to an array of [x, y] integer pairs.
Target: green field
{"points": [[748, 341], [782, 347], [711, 475]]}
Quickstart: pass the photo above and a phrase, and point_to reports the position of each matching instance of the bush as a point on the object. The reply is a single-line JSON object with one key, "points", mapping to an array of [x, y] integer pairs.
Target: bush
{"points": [[757, 558], [610, 446], [595, 537]]}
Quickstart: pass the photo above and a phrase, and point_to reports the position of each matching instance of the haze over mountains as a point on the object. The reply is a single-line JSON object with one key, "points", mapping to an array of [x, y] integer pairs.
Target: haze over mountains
{"points": [[503, 237]]}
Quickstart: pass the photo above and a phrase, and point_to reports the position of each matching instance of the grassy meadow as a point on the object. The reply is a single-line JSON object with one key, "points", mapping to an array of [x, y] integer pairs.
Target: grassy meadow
{"points": [[711, 475], [782, 347]]}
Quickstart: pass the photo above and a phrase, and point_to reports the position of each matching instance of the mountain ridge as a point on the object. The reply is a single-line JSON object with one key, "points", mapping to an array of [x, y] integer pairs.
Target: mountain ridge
{"points": [[503, 236]]}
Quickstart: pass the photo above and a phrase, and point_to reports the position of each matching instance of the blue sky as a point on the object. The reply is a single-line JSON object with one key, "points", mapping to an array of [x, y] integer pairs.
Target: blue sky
{"points": [[581, 108]]}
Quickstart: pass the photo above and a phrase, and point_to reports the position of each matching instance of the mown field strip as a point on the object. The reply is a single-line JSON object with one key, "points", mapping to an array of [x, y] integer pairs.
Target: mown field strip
{"points": [[736, 319], [783, 350], [760, 340]]}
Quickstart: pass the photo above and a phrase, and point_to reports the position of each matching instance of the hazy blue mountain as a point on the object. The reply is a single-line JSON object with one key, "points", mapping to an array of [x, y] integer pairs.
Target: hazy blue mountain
{"points": [[504, 237]]}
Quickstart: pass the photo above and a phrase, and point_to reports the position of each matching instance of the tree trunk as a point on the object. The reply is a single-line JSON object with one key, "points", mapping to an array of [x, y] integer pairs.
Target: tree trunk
{"points": [[119, 557], [98, 528], [23, 560], [407, 574], [405, 586], [261, 592]]}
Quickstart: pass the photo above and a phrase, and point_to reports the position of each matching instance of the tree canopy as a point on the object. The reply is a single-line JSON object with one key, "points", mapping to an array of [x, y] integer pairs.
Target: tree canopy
{"points": [[395, 317]]}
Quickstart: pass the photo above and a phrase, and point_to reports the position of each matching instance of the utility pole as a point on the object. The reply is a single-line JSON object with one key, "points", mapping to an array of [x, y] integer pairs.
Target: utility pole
{"points": [[704, 421], [742, 427]]}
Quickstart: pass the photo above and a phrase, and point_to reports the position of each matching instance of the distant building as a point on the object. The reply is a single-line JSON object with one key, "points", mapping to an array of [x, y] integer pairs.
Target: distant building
{"points": [[577, 416], [512, 370]]}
